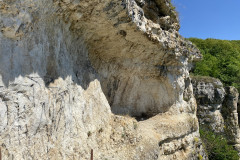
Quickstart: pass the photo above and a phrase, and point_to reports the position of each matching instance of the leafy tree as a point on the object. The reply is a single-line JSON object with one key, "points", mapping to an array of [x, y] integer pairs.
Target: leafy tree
{"points": [[221, 59]]}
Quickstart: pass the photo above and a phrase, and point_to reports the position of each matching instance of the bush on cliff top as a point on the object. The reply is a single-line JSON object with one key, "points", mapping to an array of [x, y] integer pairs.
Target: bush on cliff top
{"points": [[216, 146], [221, 59]]}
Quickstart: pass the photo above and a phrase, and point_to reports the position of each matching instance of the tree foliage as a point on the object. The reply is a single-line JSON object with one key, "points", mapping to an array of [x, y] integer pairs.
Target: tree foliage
{"points": [[221, 59], [217, 147]]}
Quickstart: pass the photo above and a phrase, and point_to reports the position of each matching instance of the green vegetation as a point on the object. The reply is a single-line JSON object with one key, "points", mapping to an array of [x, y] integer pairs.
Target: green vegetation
{"points": [[216, 146], [200, 157], [221, 59]]}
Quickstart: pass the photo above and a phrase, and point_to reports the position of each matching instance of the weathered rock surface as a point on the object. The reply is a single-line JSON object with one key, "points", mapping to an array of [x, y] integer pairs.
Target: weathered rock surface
{"points": [[217, 107], [209, 93], [65, 65], [230, 115]]}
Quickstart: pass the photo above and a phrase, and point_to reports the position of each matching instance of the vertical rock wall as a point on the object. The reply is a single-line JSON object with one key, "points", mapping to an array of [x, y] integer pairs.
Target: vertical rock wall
{"points": [[210, 94], [64, 65], [50, 97], [217, 107], [230, 115]]}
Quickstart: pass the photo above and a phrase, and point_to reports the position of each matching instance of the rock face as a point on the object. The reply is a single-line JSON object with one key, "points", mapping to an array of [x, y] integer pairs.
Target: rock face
{"points": [[66, 66], [209, 93], [230, 115], [217, 107]]}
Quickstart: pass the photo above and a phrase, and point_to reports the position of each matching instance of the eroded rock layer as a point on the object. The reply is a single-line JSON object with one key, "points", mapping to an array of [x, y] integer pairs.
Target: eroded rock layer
{"points": [[217, 107], [65, 65], [210, 94]]}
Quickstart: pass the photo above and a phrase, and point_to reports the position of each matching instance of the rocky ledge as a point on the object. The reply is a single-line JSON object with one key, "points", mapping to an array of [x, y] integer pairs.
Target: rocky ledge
{"points": [[74, 74]]}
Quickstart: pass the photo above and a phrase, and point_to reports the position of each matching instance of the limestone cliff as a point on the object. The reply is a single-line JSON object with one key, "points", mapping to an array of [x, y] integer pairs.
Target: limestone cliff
{"points": [[209, 93], [217, 107], [70, 68]]}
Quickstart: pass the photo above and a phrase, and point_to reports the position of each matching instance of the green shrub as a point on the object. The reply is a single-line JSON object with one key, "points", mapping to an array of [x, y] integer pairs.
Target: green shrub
{"points": [[221, 59], [217, 147]]}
